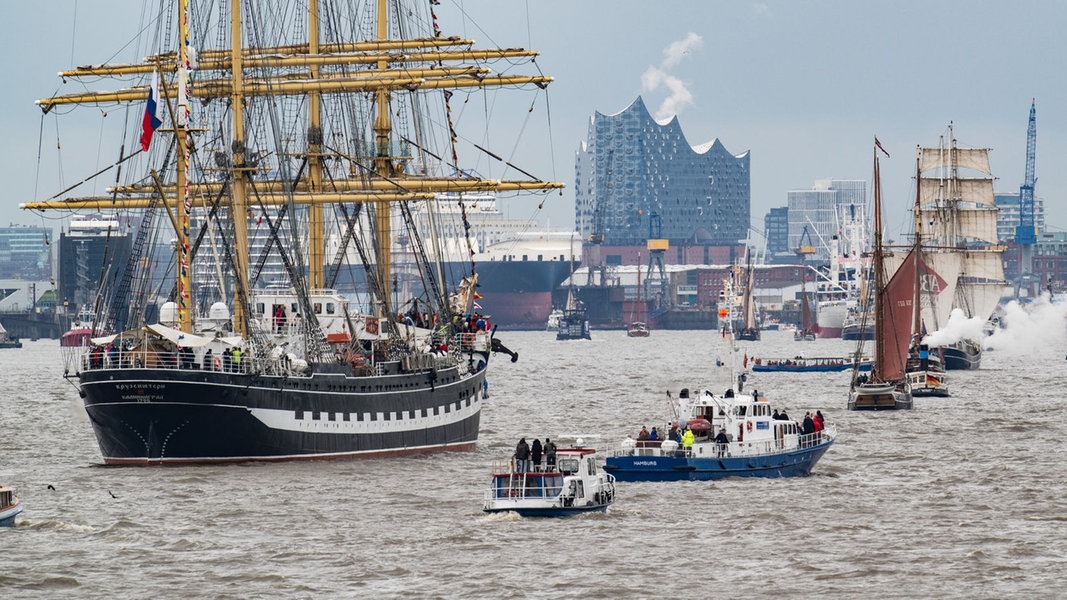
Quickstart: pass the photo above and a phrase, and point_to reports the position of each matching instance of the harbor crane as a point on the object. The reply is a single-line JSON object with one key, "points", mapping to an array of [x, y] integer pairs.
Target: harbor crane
{"points": [[1026, 232]]}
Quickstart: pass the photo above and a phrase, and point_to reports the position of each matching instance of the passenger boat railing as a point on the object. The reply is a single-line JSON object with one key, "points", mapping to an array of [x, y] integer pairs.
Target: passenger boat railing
{"points": [[709, 449]]}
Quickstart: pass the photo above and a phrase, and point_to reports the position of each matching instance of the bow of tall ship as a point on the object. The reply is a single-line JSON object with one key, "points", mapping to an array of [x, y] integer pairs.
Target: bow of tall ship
{"points": [[289, 163]]}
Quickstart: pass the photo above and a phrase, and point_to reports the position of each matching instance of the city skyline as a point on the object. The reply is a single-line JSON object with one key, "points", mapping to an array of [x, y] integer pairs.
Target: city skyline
{"points": [[804, 87]]}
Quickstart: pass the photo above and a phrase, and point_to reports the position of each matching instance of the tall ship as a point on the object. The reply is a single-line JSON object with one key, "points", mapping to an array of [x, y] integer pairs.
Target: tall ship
{"points": [[958, 216], [255, 154]]}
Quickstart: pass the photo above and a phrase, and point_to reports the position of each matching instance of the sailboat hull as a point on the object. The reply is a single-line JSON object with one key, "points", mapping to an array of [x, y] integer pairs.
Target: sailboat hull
{"points": [[879, 397], [962, 356], [173, 416]]}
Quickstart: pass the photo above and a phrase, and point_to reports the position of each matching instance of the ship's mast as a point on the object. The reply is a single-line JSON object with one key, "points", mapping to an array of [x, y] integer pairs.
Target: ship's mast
{"points": [[879, 278], [383, 163], [316, 228], [181, 201], [239, 200]]}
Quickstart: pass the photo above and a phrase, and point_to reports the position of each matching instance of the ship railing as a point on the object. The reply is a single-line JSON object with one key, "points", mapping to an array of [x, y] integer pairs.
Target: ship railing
{"points": [[142, 357], [706, 449], [472, 341], [511, 483]]}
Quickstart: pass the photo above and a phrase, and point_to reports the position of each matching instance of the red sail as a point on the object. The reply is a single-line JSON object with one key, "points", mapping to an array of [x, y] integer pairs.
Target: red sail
{"points": [[896, 309]]}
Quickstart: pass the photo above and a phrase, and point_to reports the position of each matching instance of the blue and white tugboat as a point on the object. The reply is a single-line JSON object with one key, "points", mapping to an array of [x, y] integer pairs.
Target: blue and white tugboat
{"points": [[10, 506], [729, 435], [574, 485], [733, 434]]}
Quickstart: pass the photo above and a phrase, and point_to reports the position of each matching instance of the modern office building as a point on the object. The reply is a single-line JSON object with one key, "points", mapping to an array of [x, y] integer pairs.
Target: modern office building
{"points": [[632, 167], [776, 228], [817, 215], [1008, 215], [89, 252], [25, 253]]}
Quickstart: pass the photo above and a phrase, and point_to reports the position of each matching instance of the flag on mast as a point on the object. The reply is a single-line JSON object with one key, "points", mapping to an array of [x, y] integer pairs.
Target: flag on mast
{"points": [[151, 114]]}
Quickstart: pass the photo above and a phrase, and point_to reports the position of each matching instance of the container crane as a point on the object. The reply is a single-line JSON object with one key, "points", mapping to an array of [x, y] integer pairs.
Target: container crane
{"points": [[1026, 232]]}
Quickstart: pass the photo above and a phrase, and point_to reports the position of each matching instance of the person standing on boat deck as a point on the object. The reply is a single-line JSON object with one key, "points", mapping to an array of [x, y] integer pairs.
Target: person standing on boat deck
{"points": [[550, 455], [687, 441], [643, 434], [535, 454], [207, 360], [721, 442], [673, 433], [237, 354], [653, 435], [522, 456], [227, 359], [775, 416], [808, 428], [783, 416]]}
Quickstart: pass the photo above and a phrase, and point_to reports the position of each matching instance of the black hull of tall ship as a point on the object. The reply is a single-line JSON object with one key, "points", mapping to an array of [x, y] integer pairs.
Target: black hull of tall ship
{"points": [[855, 333], [683, 319], [749, 334], [151, 416], [962, 356]]}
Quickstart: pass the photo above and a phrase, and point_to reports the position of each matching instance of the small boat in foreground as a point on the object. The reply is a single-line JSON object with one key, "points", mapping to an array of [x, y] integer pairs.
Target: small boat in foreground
{"points": [[572, 486], [10, 505], [733, 435], [816, 364]]}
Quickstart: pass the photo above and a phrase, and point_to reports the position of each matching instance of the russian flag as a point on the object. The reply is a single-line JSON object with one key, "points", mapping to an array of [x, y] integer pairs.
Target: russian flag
{"points": [[151, 114]]}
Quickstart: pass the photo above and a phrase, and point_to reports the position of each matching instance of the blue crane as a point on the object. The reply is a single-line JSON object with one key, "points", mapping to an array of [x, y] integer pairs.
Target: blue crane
{"points": [[1026, 232]]}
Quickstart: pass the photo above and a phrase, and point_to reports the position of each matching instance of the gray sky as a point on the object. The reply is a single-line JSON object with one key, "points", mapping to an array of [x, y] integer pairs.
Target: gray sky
{"points": [[804, 86]]}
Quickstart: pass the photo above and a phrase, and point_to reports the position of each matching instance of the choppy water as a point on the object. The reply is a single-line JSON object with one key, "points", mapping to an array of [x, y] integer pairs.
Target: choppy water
{"points": [[961, 497]]}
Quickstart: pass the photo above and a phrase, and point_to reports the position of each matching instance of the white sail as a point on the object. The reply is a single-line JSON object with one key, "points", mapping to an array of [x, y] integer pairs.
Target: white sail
{"points": [[958, 224], [938, 287], [976, 159], [955, 226], [937, 190]]}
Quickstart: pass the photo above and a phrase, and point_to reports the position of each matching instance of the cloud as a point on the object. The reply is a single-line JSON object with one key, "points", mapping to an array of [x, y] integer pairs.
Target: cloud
{"points": [[761, 8], [655, 78], [676, 51]]}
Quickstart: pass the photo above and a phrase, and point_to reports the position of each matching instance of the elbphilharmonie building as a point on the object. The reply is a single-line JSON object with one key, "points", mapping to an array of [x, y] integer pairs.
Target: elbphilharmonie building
{"points": [[632, 166]]}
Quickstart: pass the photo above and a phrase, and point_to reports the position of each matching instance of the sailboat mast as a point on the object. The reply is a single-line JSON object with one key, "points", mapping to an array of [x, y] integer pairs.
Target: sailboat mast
{"points": [[239, 201], [181, 187], [879, 275], [916, 318], [316, 218]]}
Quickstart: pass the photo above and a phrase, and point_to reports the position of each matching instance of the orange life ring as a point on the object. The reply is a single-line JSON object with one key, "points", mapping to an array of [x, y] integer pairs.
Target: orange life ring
{"points": [[468, 339], [217, 363], [371, 326], [750, 425]]}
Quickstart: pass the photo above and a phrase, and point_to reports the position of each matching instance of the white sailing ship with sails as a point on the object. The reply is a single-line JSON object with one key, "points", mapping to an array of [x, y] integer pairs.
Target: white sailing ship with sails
{"points": [[958, 219]]}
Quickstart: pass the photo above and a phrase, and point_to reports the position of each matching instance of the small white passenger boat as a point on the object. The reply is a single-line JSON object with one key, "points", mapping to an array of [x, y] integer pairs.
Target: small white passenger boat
{"points": [[10, 505], [574, 485]]}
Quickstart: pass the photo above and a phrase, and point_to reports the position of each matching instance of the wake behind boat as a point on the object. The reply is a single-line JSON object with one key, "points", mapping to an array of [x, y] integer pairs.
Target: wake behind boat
{"points": [[572, 486], [295, 162]]}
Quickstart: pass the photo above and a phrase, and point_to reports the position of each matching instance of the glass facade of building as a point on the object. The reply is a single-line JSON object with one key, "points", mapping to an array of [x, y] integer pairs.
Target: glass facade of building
{"points": [[776, 226], [25, 253], [1008, 215], [632, 166], [816, 215]]}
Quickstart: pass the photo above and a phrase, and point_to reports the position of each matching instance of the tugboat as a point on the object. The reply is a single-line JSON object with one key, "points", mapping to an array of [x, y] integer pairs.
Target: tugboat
{"points": [[572, 486]]}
